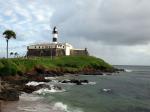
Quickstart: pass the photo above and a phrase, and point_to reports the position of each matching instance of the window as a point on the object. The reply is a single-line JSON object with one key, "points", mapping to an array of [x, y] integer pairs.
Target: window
{"points": [[54, 39]]}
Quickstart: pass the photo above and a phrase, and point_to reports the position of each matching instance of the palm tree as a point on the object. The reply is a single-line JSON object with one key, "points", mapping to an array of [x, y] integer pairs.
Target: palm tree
{"points": [[16, 54], [8, 35], [11, 53]]}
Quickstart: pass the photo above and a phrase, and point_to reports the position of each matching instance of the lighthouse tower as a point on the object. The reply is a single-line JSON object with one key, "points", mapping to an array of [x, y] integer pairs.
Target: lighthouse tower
{"points": [[55, 35]]}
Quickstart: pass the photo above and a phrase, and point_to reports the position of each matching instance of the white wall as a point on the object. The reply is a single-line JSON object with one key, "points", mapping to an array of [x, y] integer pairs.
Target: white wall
{"points": [[68, 47]]}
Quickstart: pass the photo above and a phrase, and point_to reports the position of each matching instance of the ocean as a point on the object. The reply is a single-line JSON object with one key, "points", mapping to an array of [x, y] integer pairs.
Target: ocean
{"points": [[121, 92]]}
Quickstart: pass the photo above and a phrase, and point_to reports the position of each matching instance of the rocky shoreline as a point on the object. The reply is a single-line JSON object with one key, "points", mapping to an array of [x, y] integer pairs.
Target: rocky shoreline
{"points": [[13, 86]]}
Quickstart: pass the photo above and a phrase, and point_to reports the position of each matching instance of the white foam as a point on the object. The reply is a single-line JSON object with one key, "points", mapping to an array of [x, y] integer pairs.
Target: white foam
{"points": [[106, 90], [33, 83], [127, 70], [27, 109], [29, 97], [50, 78], [46, 90], [55, 81], [89, 83], [61, 107], [92, 83]]}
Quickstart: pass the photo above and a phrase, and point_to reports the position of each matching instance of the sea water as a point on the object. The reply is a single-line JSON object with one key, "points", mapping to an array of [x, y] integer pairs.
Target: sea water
{"points": [[130, 92], [121, 92]]}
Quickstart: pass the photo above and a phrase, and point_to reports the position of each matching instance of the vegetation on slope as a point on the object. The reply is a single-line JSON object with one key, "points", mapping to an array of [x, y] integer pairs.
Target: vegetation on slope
{"points": [[66, 63]]}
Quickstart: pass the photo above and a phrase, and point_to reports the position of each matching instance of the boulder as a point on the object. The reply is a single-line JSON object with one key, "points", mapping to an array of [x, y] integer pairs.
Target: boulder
{"points": [[30, 89], [9, 95], [77, 82]]}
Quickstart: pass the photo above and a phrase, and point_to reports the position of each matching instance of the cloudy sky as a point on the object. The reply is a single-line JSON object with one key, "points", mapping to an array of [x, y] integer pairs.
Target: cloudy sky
{"points": [[116, 30]]}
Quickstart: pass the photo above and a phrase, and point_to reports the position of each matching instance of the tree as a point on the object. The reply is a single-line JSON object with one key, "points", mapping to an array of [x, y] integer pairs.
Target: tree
{"points": [[8, 35], [11, 53], [16, 54]]}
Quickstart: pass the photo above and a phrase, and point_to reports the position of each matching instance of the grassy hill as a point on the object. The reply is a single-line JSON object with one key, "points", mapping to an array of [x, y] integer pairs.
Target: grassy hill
{"points": [[66, 63]]}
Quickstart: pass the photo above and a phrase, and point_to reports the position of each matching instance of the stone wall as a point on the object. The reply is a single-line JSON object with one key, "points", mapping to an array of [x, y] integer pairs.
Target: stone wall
{"points": [[79, 52], [46, 52], [55, 52]]}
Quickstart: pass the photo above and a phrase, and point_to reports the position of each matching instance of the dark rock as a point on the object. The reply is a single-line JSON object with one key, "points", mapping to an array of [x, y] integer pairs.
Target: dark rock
{"points": [[78, 82], [84, 81], [9, 95], [98, 72], [57, 88], [30, 89], [65, 81]]}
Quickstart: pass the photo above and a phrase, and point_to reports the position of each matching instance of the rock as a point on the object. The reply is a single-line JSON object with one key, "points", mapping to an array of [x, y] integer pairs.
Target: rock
{"points": [[84, 81], [57, 88], [30, 89], [8, 92], [78, 82], [65, 81], [98, 72], [9, 95]]}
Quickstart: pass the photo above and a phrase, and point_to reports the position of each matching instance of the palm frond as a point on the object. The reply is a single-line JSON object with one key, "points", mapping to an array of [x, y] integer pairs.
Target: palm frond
{"points": [[9, 34]]}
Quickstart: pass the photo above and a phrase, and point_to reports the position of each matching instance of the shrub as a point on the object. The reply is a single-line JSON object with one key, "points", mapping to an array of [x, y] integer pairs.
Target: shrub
{"points": [[8, 68]]}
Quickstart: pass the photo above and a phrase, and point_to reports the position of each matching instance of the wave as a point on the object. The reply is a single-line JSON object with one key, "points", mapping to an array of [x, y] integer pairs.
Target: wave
{"points": [[128, 70], [52, 89], [61, 107], [89, 83], [50, 78], [27, 109], [30, 97], [69, 83], [33, 83]]}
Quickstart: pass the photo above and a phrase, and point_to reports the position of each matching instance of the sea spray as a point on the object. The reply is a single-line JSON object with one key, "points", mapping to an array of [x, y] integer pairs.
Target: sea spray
{"points": [[33, 83], [128, 70], [52, 89], [61, 107]]}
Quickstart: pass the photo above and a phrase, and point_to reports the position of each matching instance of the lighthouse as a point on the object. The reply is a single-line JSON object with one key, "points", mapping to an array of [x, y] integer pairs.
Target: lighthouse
{"points": [[55, 35]]}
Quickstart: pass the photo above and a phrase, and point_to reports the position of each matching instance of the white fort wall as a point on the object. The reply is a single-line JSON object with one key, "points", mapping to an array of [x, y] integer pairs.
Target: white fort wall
{"points": [[66, 46]]}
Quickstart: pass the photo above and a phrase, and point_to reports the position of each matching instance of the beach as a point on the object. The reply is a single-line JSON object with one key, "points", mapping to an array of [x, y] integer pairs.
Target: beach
{"points": [[27, 103]]}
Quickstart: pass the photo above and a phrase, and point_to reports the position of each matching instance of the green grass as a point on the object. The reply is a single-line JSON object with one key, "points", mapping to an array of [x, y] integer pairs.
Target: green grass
{"points": [[70, 63]]}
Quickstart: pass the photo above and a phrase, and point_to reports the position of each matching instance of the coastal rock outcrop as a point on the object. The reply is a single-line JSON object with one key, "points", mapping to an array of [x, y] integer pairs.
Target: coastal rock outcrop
{"points": [[8, 93], [31, 88]]}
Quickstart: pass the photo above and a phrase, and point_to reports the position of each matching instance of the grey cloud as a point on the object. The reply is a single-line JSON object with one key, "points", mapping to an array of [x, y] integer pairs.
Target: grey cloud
{"points": [[113, 22]]}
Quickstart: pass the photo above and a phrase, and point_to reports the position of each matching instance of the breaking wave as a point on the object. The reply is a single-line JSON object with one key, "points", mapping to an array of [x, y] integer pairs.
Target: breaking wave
{"points": [[44, 91], [128, 70], [69, 83], [33, 83], [27, 109], [61, 107]]}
